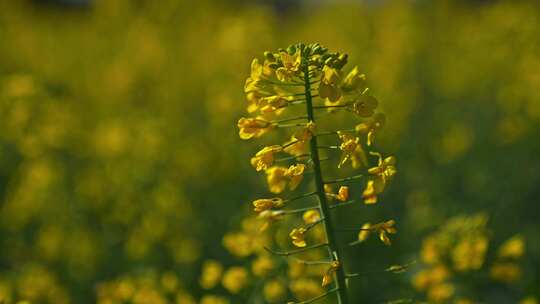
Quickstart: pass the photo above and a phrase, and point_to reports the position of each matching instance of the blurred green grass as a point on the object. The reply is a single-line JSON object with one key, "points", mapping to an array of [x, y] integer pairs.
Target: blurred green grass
{"points": [[119, 152]]}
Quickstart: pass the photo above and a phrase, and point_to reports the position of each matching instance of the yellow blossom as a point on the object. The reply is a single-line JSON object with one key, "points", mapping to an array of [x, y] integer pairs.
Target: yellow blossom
{"points": [[364, 105], [211, 274], [299, 141], [276, 179], [311, 216], [364, 233], [253, 127], [329, 274], [370, 127], [234, 279], [512, 248], [440, 292], [373, 188], [343, 193], [274, 291], [274, 103], [328, 87], [263, 204], [383, 229], [295, 173], [265, 157], [291, 66], [354, 81], [351, 150], [385, 168], [469, 253], [298, 237], [262, 266], [430, 253]]}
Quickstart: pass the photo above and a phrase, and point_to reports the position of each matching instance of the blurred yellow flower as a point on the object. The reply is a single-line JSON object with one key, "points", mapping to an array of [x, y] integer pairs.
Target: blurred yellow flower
{"points": [[274, 291], [440, 292], [262, 265], [210, 274], [469, 253], [278, 177], [512, 248], [235, 279]]}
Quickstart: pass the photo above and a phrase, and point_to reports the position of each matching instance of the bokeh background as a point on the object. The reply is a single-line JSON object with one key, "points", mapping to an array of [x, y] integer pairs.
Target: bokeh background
{"points": [[121, 168]]}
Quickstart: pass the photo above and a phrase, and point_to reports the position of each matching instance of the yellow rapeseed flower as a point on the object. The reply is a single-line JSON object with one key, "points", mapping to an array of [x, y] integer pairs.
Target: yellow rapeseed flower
{"points": [[364, 105], [274, 291], [354, 81], [311, 216], [299, 140], [512, 248], [298, 237], [364, 233], [263, 204], [351, 149], [274, 104], [329, 85], [383, 229], [370, 127], [469, 253], [235, 279], [374, 187], [291, 66], [210, 274], [253, 127], [262, 265], [295, 173], [265, 157], [276, 179], [329, 274]]}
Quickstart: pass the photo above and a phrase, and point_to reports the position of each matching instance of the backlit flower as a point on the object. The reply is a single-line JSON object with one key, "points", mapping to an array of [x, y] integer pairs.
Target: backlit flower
{"points": [[298, 237], [263, 204], [329, 274], [253, 127], [265, 157], [329, 85]]}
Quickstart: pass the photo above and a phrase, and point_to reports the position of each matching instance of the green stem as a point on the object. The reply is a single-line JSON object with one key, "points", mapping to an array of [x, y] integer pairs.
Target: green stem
{"points": [[333, 249]]}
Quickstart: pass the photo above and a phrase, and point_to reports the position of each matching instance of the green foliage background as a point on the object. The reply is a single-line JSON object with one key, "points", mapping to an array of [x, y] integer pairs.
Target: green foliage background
{"points": [[119, 152]]}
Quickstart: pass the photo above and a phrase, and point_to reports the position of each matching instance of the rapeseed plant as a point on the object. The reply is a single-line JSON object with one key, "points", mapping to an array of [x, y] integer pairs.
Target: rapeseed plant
{"points": [[313, 78]]}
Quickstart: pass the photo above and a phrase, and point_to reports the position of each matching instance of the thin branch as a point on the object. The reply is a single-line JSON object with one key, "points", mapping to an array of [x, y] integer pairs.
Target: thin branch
{"points": [[346, 179], [300, 210], [297, 251], [301, 196], [339, 205]]}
